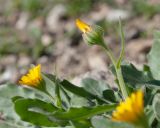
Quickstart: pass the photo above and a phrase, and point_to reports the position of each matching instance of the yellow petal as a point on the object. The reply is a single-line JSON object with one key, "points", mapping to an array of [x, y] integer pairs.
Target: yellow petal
{"points": [[130, 110], [33, 77], [84, 27]]}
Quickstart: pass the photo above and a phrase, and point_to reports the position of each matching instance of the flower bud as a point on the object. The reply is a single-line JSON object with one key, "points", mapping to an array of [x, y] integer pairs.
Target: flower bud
{"points": [[92, 35], [95, 36]]}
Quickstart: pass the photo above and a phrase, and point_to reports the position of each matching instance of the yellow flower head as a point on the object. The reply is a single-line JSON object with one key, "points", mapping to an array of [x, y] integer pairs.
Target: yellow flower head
{"points": [[131, 110], [33, 77], [84, 27]]}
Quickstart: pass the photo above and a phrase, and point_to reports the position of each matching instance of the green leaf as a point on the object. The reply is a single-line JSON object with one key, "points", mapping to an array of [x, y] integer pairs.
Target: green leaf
{"points": [[4, 124], [154, 57], [50, 84], [156, 106], [81, 124], [36, 112], [94, 87], [77, 101], [83, 112], [80, 91], [6, 106], [109, 94], [158, 125], [149, 95], [150, 115], [135, 77], [75, 89], [100, 122], [64, 98], [54, 88]]}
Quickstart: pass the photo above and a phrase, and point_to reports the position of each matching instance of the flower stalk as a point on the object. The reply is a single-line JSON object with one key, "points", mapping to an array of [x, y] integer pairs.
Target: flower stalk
{"points": [[118, 70], [93, 35]]}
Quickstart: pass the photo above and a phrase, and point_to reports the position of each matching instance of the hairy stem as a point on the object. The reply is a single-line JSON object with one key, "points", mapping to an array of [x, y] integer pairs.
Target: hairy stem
{"points": [[118, 72]]}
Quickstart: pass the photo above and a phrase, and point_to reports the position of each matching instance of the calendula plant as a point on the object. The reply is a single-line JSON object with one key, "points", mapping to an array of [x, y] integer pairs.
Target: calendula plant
{"points": [[43, 100]]}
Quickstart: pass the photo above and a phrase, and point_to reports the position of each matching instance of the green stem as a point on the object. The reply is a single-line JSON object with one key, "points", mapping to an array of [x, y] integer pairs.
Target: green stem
{"points": [[122, 45], [121, 83], [118, 72], [109, 53]]}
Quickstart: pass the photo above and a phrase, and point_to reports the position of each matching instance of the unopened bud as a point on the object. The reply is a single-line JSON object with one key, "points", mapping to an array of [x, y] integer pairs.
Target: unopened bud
{"points": [[92, 35]]}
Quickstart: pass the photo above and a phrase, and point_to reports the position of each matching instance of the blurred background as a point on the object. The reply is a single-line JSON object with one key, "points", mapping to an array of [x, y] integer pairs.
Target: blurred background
{"points": [[44, 31]]}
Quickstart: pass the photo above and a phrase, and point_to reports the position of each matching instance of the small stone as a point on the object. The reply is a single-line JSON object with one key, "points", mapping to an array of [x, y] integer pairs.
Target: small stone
{"points": [[153, 2], [35, 27], [99, 13], [8, 60], [96, 62], [69, 26], [137, 49], [115, 15], [97, 75], [133, 33], [46, 39], [122, 2], [43, 60], [24, 60], [53, 18], [7, 75], [22, 21]]}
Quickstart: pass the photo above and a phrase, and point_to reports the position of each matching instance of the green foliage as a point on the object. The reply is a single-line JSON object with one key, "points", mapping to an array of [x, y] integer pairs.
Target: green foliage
{"points": [[31, 5], [142, 7], [43, 113], [35, 7], [138, 78], [153, 57], [63, 104], [94, 87], [101, 122], [35, 111], [156, 106], [9, 38], [10, 118], [83, 112], [79, 6]]}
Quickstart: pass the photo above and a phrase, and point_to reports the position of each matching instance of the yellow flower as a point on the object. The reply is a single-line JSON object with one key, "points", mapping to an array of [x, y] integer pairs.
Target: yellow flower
{"points": [[84, 27], [131, 110], [33, 77]]}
